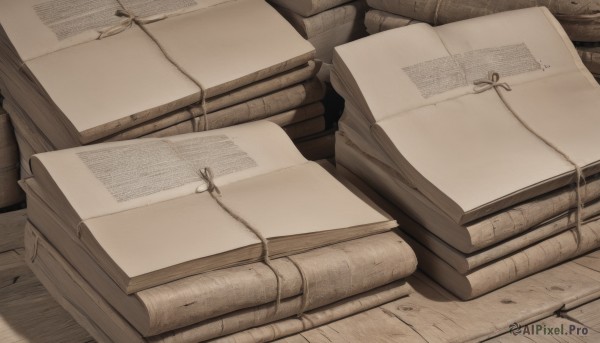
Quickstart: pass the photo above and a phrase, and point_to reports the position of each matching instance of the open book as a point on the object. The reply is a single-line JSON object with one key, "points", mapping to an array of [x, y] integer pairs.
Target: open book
{"points": [[416, 106], [142, 210], [79, 88]]}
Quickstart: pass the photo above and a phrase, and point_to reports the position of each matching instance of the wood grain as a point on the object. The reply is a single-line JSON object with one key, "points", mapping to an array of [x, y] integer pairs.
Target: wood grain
{"points": [[11, 230]]}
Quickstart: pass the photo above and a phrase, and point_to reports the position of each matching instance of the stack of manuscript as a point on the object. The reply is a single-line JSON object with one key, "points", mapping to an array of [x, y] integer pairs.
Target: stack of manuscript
{"points": [[10, 193], [581, 20], [325, 23], [590, 55], [77, 72], [204, 235], [485, 132]]}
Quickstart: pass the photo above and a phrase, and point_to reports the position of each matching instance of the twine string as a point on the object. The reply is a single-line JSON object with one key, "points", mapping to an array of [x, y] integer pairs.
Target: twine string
{"points": [[214, 191], [493, 82], [129, 20]]}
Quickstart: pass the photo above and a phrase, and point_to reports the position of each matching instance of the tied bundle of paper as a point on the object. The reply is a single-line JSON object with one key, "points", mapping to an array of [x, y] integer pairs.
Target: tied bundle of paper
{"points": [[76, 72], [590, 55], [10, 193], [206, 235], [325, 24], [581, 20], [484, 132]]}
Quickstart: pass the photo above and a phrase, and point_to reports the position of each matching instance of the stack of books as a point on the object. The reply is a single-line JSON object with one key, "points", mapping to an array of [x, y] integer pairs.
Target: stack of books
{"points": [[325, 24], [205, 235], [114, 70], [579, 19], [484, 132], [10, 192]]}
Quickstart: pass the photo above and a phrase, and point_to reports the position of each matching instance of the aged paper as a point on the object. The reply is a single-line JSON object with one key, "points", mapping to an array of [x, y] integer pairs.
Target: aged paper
{"points": [[119, 180]]}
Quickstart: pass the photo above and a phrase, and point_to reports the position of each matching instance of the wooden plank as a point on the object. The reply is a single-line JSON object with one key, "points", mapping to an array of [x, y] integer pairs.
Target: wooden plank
{"points": [[29, 314], [12, 267], [292, 339], [375, 325], [11, 229], [588, 315], [569, 332]]}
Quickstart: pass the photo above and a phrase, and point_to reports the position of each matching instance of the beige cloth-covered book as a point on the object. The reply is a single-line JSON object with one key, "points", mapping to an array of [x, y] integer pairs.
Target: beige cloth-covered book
{"points": [[86, 88], [412, 90], [149, 194]]}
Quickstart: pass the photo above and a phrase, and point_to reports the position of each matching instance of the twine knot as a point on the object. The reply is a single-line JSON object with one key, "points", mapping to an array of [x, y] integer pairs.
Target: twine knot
{"points": [[207, 176], [492, 81]]}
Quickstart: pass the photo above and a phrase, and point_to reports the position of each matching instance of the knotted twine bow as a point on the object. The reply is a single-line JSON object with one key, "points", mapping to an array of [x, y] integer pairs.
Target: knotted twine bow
{"points": [[207, 176], [493, 82], [130, 19], [128, 22]]}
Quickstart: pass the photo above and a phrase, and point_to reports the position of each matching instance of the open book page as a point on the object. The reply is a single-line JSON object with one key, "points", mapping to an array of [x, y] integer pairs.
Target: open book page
{"points": [[169, 233], [423, 65], [298, 200], [102, 83], [39, 27], [114, 177], [243, 39]]}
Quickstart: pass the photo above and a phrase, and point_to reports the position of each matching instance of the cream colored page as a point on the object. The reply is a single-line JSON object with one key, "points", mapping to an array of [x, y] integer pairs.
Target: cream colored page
{"points": [[39, 27], [106, 80], [472, 149], [168, 233], [297, 200], [226, 42], [410, 67], [113, 177]]}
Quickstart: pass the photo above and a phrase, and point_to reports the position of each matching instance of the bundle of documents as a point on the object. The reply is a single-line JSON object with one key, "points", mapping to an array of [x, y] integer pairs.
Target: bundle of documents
{"points": [[579, 19], [484, 132], [318, 147], [325, 24], [10, 192], [590, 55], [76, 72], [204, 235]]}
